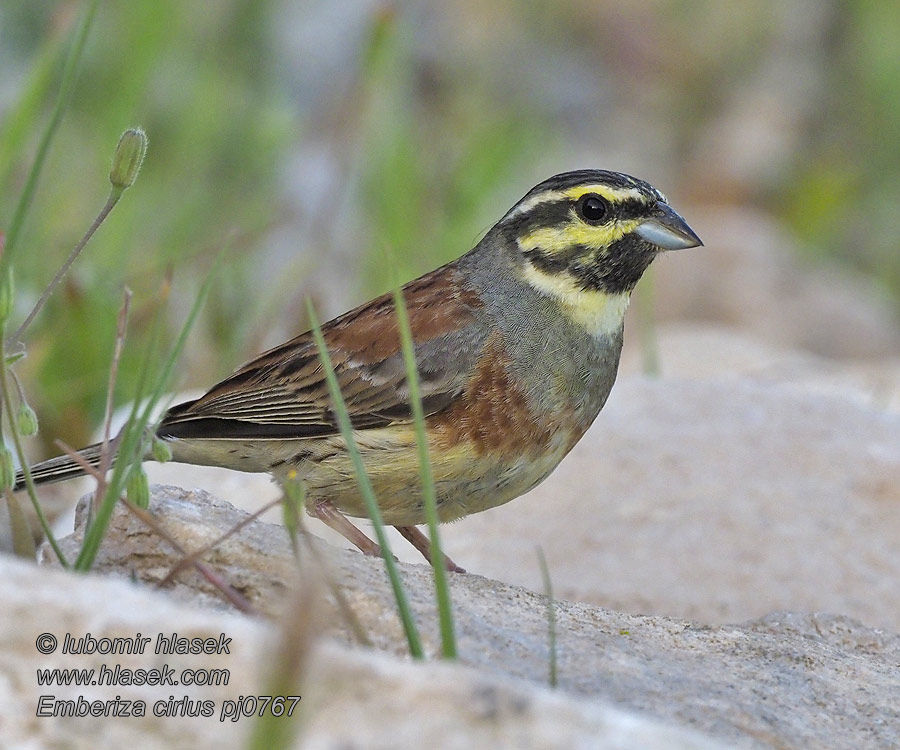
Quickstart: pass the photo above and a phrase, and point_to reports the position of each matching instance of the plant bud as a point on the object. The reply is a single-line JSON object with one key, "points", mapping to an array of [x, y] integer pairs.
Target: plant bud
{"points": [[127, 158], [26, 421], [160, 450], [138, 488]]}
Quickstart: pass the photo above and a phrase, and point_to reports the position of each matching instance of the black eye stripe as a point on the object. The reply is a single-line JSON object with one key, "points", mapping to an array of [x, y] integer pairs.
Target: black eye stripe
{"points": [[549, 214], [631, 209], [552, 213]]}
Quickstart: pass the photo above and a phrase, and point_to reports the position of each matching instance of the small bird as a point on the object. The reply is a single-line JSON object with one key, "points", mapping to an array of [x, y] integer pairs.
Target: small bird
{"points": [[517, 345]]}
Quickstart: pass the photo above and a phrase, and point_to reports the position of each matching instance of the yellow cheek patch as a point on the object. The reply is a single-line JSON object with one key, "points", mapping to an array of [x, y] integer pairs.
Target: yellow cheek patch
{"points": [[555, 239], [599, 313]]}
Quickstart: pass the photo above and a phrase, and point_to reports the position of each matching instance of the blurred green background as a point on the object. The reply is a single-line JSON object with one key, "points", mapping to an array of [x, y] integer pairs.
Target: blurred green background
{"points": [[337, 146]]}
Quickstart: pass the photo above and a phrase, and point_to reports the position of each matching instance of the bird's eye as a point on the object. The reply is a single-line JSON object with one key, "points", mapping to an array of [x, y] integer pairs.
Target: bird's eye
{"points": [[592, 208]]}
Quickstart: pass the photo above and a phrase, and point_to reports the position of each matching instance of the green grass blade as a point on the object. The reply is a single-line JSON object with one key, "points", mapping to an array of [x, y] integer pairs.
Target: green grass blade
{"points": [[23, 542], [23, 459], [70, 70], [441, 584], [293, 501], [551, 615], [123, 461], [646, 319], [129, 451], [62, 99], [163, 380], [365, 488], [18, 122]]}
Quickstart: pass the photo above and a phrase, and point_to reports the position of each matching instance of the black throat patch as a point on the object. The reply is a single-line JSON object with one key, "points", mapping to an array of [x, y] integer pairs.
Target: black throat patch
{"points": [[616, 270]]}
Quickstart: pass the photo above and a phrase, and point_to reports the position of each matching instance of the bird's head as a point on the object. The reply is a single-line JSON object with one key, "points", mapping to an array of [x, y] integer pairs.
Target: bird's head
{"points": [[586, 237]]}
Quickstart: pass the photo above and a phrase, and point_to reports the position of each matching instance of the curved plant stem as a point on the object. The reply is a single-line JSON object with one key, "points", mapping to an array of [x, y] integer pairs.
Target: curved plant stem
{"points": [[23, 462], [64, 269]]}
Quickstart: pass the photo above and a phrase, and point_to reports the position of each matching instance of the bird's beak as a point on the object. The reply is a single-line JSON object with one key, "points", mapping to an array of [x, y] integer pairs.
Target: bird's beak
{"points": [[667, 230]]}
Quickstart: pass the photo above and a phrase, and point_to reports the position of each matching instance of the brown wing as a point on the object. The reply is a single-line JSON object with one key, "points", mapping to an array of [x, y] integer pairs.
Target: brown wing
{"points": [[283, 393]]}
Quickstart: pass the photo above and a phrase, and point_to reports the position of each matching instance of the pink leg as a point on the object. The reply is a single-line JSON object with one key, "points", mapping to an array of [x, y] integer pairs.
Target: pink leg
{"points": [[331, 516], [421, 542]]}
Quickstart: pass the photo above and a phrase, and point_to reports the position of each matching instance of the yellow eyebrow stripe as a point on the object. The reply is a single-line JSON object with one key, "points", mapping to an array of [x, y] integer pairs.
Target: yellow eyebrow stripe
{"points": [[613, 195]]}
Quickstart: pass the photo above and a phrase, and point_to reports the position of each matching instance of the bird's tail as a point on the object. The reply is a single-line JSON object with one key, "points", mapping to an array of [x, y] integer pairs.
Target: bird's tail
{"points": [[60, 468]]}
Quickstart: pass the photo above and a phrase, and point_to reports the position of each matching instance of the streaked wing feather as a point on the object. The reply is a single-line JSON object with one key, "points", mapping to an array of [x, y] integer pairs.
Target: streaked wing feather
{"points": [[283, 393]]}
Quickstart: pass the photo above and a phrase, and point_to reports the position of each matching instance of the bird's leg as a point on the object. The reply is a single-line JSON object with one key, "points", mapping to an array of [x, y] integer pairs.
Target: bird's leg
{"points": [[418, 540], [331, 516]]}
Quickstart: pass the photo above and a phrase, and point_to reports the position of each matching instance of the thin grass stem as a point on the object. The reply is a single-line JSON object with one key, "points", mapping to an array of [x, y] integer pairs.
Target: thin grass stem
{"points": [[108, 446], [551, 616], [293, 500], [195, 555], [366, 490], [64, 268], [23, 460], [227, 591], [12, 236], [429, 497], [647, 325], [66, 85], [23, 542], [129, 451]]}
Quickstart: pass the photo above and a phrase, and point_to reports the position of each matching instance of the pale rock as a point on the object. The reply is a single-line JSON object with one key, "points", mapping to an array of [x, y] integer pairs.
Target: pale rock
{"points": [[714, 499], [761, 684], [349, 698], [749, 276]]}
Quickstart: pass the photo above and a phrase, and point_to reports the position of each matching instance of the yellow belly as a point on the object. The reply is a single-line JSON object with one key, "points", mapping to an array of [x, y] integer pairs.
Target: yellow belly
{"points": [[465, 482]]}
